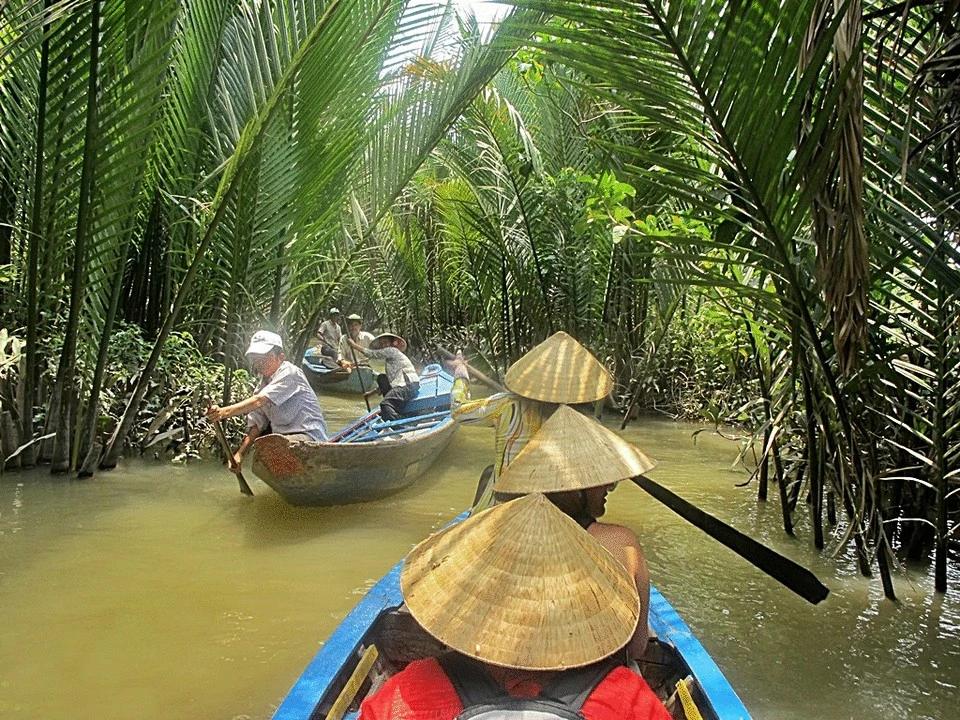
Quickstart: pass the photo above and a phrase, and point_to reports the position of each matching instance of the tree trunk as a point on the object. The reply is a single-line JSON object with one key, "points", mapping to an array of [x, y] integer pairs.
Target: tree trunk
{"points": [[66, 368], [29, 399]]}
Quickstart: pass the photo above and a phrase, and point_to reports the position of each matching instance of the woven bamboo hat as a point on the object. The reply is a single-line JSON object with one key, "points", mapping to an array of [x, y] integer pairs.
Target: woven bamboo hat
{"points": [[572, 452], [559, 370], [521, 585], [378, 342]]}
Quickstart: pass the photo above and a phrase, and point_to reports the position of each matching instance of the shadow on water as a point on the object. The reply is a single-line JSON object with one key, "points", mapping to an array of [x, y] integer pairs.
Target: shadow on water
{"points": [[267, 520]]}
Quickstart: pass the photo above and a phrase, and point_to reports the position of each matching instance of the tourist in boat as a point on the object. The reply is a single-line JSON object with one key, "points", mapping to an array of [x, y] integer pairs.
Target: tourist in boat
{"points": [[536, 614], [576, 462], [355, 332], [283, 403], [329, 334], [558, 370], [400, 382]]}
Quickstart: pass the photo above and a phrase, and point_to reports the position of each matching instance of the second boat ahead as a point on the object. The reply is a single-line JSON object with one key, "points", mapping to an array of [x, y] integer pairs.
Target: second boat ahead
{"points": [[369, 459]]}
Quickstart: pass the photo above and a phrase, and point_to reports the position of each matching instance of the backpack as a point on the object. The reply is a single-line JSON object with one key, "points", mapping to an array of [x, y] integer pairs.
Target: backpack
{"points": [[561, 699]]}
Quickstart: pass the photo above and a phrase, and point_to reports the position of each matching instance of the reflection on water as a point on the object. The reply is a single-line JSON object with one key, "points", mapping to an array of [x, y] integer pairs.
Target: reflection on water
{"points": [[160, 591]]}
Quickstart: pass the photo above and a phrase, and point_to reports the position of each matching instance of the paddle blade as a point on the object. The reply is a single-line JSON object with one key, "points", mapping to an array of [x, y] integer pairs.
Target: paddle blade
{"points": [[782, 569], [244, 488]]}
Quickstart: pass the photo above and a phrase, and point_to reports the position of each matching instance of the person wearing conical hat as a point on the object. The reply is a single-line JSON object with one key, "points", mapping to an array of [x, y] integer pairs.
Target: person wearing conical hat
{"points": [[536, 614], [400, 380], [355, 332], [558, 370], [576, 461]]}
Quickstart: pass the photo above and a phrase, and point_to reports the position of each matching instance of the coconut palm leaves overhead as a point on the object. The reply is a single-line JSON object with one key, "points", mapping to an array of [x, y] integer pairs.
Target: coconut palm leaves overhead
{"points": [[784, 168], [776, 127], [803, 170], [227, 134]]}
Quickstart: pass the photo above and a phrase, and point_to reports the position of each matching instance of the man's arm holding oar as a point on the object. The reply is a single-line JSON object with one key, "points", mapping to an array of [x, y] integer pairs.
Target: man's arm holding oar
{"points": [[232, 462], [492, 384]]}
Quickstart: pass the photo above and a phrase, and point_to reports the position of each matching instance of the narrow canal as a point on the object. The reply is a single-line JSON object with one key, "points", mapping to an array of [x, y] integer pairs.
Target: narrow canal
{"points": [[158, 591]]}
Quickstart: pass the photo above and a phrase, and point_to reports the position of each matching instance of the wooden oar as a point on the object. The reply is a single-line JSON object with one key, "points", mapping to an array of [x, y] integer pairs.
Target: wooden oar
{"points": [[782, 569], [363, 388], [218, 431]]}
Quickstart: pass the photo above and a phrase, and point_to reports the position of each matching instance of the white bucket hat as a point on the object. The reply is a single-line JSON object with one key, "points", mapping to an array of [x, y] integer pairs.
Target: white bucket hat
{"points": [[263, 341]]}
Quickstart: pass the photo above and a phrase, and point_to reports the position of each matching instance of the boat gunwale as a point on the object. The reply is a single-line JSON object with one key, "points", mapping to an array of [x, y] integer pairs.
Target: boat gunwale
{"points": [[312, 686]]}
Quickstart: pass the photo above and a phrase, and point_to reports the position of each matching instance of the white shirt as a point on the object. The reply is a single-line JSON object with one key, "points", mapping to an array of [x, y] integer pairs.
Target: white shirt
{"points": [[345, 352], [329, 333], [293, 406]]}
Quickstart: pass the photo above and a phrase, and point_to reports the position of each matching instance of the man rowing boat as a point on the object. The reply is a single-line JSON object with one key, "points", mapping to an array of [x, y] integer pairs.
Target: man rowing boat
{"points": [[284, 403], [400, 380]]}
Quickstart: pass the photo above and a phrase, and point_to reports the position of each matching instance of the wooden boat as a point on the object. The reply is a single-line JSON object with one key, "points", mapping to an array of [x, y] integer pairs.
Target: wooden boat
{"points": [[323, 378], [368, 459], [378, 638]]}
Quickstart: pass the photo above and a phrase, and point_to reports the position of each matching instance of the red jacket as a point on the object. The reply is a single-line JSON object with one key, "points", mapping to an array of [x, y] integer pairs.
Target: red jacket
{"points": [[422, 691]]}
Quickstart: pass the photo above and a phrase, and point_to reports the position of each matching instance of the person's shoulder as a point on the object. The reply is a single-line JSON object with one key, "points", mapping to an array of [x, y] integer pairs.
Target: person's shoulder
{"points": [[425, 670], [618, 533], [287, 369]]}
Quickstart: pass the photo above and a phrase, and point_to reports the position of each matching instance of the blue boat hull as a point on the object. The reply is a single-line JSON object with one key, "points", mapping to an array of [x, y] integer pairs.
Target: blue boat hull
{"points": [[325, 676]]}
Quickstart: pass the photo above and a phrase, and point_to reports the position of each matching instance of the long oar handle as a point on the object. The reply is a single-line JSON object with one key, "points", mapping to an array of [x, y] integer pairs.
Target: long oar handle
{"points": [[225, 446], [363, 388], [782, 569], [492, 384]]}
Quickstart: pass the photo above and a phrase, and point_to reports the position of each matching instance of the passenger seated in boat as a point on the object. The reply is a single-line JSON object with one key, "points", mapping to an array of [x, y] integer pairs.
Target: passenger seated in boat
{"points": [[576, 462], [329, 334], [558, 370], [283, 403], [345, 354], [536, 615], [400, 382]]}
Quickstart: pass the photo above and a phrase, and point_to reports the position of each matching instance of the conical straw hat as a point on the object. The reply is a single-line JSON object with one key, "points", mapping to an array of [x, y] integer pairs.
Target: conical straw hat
{"points": [[521, 585], [571, 452], [559, 370], [380, 340]]}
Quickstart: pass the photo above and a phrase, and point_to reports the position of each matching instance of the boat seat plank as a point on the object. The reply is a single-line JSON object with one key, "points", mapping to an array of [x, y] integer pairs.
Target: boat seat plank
{"points": [[402, 424], [353, 684]]}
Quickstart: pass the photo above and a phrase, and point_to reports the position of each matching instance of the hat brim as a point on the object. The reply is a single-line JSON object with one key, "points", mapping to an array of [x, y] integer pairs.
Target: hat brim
{"points": [[378, 342], [531, 589], [571, 451], [259, 348]]}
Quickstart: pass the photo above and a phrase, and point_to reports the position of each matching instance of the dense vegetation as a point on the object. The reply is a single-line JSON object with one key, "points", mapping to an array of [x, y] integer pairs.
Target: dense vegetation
{"points": [[749, 210]]}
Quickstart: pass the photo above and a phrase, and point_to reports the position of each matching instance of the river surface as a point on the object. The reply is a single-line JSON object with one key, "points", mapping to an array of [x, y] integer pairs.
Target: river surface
{"points": [[159, 591]]}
